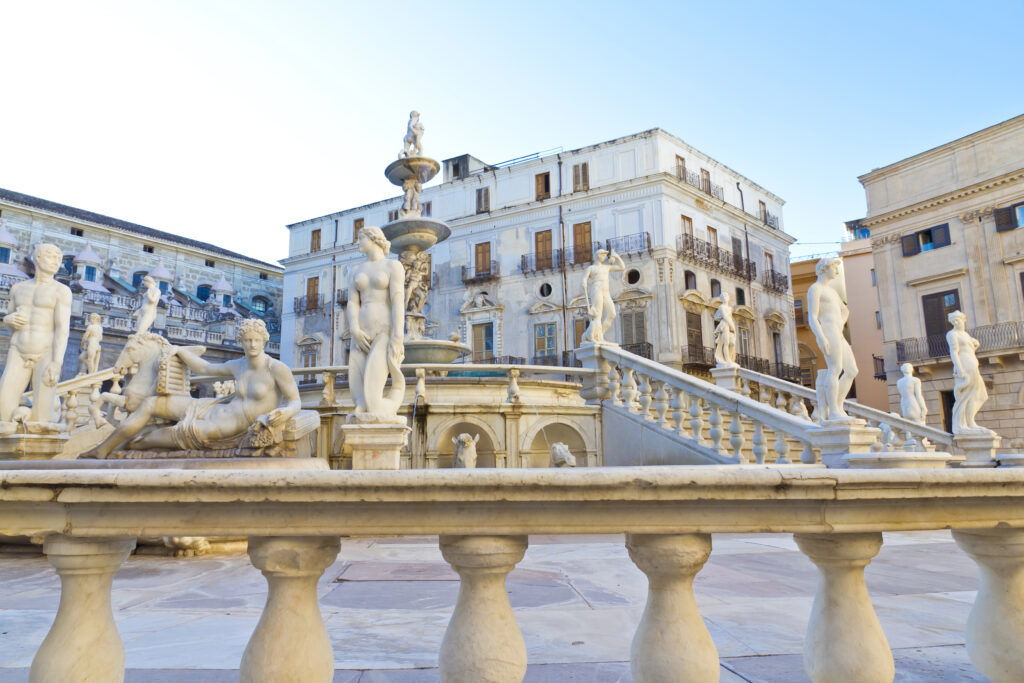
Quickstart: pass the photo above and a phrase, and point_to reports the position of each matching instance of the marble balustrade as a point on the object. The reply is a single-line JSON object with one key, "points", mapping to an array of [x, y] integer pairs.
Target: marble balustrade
{"points": [[668, 515]]}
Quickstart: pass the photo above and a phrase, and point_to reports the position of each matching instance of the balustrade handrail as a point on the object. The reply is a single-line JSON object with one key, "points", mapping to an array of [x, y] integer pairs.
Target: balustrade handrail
{"points": [[997, 337], [853, 408], [409, 369]]}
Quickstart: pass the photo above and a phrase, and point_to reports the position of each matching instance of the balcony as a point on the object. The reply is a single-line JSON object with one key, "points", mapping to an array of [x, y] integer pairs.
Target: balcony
{"points": [[341, 298], [775, 281], [541, 261], [790, 373], [703, 184], [710, 256], [698, 357], [630, 244], [765, 217], [550, 359], [642, 349], [992, 338], [481, 272], [309, 305], [761, 365]]}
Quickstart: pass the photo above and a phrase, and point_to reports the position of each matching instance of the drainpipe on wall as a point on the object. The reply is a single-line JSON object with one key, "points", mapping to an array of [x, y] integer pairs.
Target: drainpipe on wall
{"points": [[561, 232], [334, 288]]}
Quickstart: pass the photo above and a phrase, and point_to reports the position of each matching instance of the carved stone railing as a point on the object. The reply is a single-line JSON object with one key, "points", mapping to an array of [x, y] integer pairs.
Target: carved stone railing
{"points": [[90, 521], [897, 433], [716, 423]]}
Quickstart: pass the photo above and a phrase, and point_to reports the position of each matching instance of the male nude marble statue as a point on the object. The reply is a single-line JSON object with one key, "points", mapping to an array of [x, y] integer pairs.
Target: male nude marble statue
{"points": [[146, 312], [41, 320], [597, 287], [912, 403], [827, 314]]}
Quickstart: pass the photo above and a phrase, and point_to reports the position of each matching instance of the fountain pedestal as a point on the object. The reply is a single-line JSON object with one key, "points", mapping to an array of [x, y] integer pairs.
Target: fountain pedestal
{"points": [[375, 446]]}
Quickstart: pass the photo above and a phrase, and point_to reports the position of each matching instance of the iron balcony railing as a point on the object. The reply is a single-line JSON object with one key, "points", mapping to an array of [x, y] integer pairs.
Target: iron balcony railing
{"points": [[703, 253], [879, 362], [552, 359], [341, 298], [307, 305], [790, 373], [581, 255], [473, 358], [642, 349], [630, 244], [998, 337], [703, 184], [569, 360], [761, 365], [775, 281], [538, 261], [698, 356], [481, 272], [765, 217]]}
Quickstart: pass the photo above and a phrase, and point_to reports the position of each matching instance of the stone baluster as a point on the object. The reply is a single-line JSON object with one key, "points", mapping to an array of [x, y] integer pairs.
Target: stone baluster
{"points": [[697, 420], [614, 383], [879, 444], [781, 401], [716, 431], [83, 644], [70, 416], [781, 449], [764, 395], [671, 642], [736, 438], [798, 407], [483, 641], [679, 412], [844, 640], [629, 390], [96, 406], [807, 455], [327, 397], [116, 414], [760, 443], [290, 642], [661, 405], [745, 388], [995, 627], [646, 397]]}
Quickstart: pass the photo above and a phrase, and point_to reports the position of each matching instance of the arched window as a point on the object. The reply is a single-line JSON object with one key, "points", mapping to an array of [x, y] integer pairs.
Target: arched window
{"points": [[203, 292], [716, 288], [690, 279]]}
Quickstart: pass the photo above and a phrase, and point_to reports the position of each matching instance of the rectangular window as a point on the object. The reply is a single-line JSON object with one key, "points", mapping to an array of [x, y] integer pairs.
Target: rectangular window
{"points": [[579, 326], [680, 167], [926, 240], [210, 263], [263, 276], [542, 185], [226, 300], [312, 293], [483, 200], [483, 258], [743, 340], [77, 232], [483, 341], [741, 296], [90, 273], [762, 211], [947, 400], [878, 319], [937, 308], [164, 286], [68, 265], [874, 278], [582, 248], [634, 327], [542, 249], [694, 330], [5, 255], [705, 180], [314, 243], [146, 248], [427, 209], [687, 225], [581, 177], [1009, 218], [544, 339], [392, 215], [798, 312], [769, 265], [713, 238], [357, 225]]}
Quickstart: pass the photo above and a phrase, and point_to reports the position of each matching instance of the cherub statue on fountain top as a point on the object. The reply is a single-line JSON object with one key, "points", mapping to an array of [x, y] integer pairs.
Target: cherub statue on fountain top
{"points": [[413, 137]]}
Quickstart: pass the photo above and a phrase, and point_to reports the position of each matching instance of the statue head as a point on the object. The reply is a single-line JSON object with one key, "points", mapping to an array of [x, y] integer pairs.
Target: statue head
{"points": [[94, 318], [907, 369], [149, 282], [602, 254], [827, 265], [376, 235], [414, 114], [47, 257], [724, 297], [959, 319], [253, 327]]}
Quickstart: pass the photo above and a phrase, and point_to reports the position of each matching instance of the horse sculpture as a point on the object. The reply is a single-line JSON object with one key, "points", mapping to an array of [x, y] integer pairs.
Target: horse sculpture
{"points": [[465, 450], [149, 358]]}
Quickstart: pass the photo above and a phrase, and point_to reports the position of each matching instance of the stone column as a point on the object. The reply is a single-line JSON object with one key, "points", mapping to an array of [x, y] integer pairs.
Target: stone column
{"points": [[83, 644], [290, 643], [671, 643], [995, 627], [845, 642], [483, 641], [595, 386]]}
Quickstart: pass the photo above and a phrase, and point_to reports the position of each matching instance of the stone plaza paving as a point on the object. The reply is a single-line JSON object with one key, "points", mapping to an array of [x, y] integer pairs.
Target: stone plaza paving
{"points": [[578, 599]]}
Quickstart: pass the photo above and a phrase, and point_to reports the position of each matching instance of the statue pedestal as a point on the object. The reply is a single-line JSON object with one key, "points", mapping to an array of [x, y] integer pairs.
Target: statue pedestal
{"points": [[835, 441], [979, 448], [727, 377], [912, 460], [32, 446], [375, 446]]}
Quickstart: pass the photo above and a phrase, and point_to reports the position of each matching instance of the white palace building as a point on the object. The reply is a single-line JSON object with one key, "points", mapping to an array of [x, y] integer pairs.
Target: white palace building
{"points": [[509, 279]]}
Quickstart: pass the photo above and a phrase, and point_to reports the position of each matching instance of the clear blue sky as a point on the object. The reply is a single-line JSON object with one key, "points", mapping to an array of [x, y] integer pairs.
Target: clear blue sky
{"points": [[226, 121]]}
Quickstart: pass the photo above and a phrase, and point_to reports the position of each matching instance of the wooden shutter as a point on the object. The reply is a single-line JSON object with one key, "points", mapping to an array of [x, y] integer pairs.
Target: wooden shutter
{"points": [[713, 238], [314, 241], [483, 258], [940, 235], [542, 248], [694, 331], [577, 178], [1005, 219], [312, 292], [935, 312], [579, 326], [633, 329], [910, 244], [581, 244], [687, 225], [357, 225], [585, 175]]}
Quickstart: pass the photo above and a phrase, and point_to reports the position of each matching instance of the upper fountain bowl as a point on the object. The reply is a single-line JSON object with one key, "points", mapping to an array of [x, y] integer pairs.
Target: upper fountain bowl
{"points": [[421, 168], [418, 233]]}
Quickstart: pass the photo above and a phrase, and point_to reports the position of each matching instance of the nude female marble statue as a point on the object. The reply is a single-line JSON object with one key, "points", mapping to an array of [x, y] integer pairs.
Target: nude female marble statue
{"points": [[969, 392], [413, 137], [146, 312], [376, 311], [912, 403], [41, 320], [725, 334], [265, 398], [597, 287], [827, 314], [91, 339]]}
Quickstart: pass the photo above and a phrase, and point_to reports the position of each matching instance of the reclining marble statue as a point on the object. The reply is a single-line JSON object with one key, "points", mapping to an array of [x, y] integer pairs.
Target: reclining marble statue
{"points": [[41, 321], [263, 417], [827, 314]]}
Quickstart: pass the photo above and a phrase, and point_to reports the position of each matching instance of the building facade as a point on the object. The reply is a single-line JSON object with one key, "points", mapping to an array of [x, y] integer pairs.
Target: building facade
{"points": [[944, 227], [509, 279], [206, 288]]}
